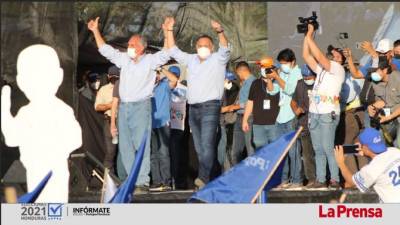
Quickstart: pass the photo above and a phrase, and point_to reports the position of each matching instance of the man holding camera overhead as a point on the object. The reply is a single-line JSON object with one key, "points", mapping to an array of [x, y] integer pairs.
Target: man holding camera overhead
{"points": [[324, 107]]}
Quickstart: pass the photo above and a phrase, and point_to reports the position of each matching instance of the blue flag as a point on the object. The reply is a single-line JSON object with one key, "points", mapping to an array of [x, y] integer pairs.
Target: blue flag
{"points": [[124, 192], [246, 180], [33, 195]]}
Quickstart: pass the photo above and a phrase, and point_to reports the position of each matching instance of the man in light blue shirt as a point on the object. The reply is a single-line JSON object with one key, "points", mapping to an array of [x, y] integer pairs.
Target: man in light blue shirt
{"points": [[205, 79], [285, 83], [242, 139], [137, 79]]}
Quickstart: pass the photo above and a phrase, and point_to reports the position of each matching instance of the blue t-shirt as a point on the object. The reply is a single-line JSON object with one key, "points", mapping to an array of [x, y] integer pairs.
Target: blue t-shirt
{"points": [[161, 104]]}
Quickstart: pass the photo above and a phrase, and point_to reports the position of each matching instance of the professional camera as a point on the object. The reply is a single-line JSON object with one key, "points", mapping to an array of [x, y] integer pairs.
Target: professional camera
{"points": [[375, 120], [267, 64], [302, 28]]}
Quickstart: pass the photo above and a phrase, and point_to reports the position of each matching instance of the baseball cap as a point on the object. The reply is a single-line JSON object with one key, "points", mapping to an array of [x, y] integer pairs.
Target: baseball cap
{"points": [[306, 71], [230, 76], [372, 138], [384, 45], [113, 70], [93, 77], [175, 70]]}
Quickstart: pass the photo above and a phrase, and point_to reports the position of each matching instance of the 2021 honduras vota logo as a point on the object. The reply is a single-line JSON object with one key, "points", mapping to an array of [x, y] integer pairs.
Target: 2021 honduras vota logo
{"points": [[42, 211]]}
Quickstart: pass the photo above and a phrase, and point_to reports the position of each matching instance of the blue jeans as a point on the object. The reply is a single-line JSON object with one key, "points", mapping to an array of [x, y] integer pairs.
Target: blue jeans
{"points": [[322, 129], [222, 145], [264, 134], [241, 140], [159, 159], [134, 118], [203, 121], [294, 156]]}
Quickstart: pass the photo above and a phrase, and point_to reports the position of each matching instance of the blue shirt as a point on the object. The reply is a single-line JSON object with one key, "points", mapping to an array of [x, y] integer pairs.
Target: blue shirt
{"points": [[205, 80], [136, 78], [351, 89], [244, 93], [161, 104], [285, 112]]}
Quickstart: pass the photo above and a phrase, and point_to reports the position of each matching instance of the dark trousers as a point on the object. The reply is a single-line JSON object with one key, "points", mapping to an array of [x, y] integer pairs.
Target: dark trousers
{"points": [[241, 140], [111, 149], [178, 156], [159, 158], [203, 121], [308, 156]]}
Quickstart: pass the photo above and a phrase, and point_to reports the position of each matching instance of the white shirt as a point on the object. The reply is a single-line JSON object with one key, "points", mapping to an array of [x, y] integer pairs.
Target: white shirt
{"points": [[324, 98], [178, 107], [383, 173]]}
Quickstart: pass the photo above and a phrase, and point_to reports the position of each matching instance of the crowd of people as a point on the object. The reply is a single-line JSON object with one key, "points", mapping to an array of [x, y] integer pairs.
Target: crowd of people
{"points": [[331, 96]]}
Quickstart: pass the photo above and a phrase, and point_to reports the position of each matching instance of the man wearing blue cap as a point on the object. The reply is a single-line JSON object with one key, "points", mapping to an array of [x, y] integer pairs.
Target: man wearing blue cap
{"points": [[382, 172], [160, 138], [177, 139], [227, 118]]}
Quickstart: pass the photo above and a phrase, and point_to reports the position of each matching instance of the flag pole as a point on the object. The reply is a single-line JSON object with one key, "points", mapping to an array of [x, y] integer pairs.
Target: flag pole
{"points": [[105, 181], [277, 164]]}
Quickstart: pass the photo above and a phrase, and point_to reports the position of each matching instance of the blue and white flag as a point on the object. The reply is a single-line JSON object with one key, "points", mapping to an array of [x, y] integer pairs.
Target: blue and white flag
{"points": [[33, 195], [245, 181], [124, 193]]}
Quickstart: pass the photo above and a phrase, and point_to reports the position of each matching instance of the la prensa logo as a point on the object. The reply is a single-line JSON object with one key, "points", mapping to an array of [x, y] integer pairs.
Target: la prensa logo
{"points": [[342, 211]]}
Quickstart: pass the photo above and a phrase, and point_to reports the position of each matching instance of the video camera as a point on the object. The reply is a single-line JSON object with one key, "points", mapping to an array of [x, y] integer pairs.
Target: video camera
{"points": [[302, 28]]}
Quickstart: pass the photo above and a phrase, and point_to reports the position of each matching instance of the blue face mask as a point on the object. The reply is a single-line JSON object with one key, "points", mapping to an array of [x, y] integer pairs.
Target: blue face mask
{"points": [[286, 68], [396, 62], [376, 77]]}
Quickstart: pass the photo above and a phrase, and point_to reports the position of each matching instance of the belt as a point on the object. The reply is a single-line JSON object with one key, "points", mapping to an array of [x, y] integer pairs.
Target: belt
{"points": [[356, 103], [205, 103]]}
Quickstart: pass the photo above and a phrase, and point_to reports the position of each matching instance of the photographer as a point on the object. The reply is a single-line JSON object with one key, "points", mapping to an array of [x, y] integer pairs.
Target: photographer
{"points": [[263, 103], [289, 74], [386, 86], [324, 107], [382, 172]]}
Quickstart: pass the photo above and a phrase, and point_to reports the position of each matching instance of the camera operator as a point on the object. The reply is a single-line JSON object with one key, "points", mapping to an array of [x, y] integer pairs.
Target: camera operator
{"points": [[382, 172], [386, 85], [263, 103], [324, 107]]}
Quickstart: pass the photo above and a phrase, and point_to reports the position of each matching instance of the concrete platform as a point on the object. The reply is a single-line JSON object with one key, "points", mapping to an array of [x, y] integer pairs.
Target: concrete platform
{"points": [[278, 196]]}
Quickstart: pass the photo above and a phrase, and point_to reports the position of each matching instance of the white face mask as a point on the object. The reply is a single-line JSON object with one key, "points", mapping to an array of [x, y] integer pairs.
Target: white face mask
{"points": [[263, 74], [309, 82], [228, 85], [203, 52], [131, 52], [95, 85], [286, 68]]}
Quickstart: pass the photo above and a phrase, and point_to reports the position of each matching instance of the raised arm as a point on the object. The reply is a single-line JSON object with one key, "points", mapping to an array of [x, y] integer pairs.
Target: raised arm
{"points": [[93, 26], [115, 56], [315, 51], [355, 72], [308, 58], [220, 31], [224, 51], [168, 28], [173, 80]]}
